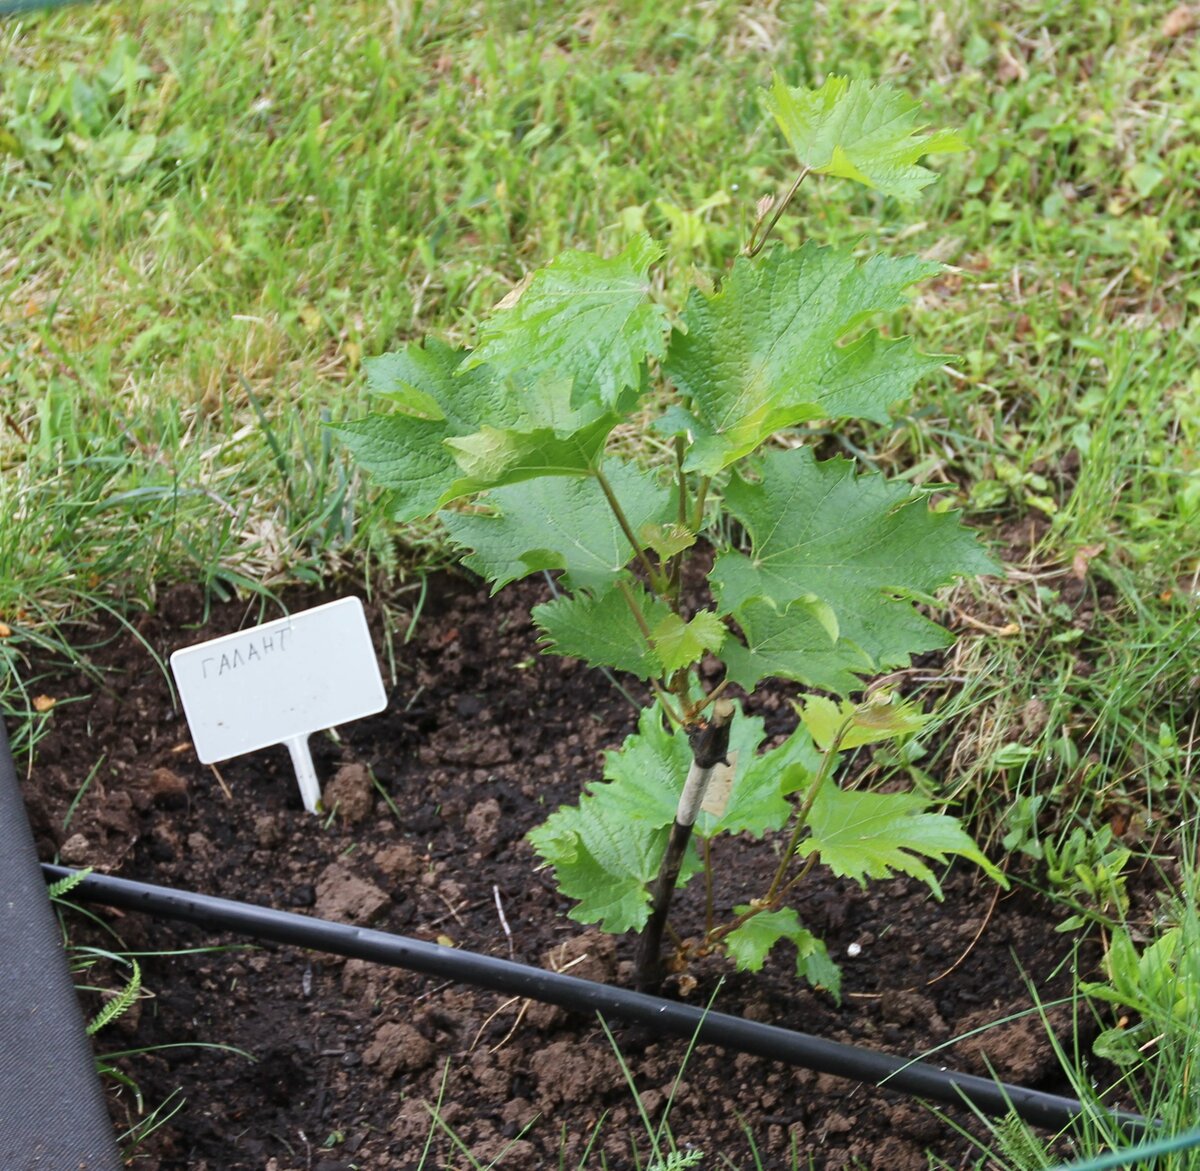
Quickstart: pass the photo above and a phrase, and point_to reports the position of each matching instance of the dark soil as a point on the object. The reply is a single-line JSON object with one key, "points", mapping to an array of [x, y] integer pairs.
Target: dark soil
{"points": [[483, 737]]}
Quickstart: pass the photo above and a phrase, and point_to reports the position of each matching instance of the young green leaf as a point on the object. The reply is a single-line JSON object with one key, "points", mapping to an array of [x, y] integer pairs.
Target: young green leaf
{"points": [[680, 644], [859, 130], [750, 944], [762, 353], [667, 540], [648, 774], [559, 524], [762, 782], [406, 451], [493, 457], [404, 454], [875, 835], [457, 433], [606, 849], [860, 544], [584, 318], [603, 631], [603, 860], [882, 717]]}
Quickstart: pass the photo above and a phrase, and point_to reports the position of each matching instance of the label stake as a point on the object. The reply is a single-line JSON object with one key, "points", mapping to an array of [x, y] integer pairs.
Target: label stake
{"points": [[306, 773], [278, 683]]}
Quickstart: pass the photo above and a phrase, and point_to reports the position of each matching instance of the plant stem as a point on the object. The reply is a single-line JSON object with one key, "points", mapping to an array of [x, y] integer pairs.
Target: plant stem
{"points": [[708, 751], [665, 701], [698, 510], [656, 687], [652, 574], [692, 710], [675, 577], [636, 611], [802, 813], [759, 906], [706, 850], [756, 245], [680, 452]]}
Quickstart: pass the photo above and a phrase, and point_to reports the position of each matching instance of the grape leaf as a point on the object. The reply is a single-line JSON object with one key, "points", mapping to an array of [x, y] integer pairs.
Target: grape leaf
{"points": [[457, 433], [816, 966], [859, 130], [875, 835], [406, 452], [791, 642], [647, 773], [679, 644], [862, 545], [761, 783], [604, 860], [584, 318], [603, 631], [559, 524], [493, 457], [750, 943], [762, 354], [418, 377], [882, 717], [608, 847], [667, 540], [657, 760]]}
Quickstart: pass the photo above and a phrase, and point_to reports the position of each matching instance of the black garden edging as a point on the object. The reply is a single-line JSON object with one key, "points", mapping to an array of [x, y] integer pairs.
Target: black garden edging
{"points": [[663, 1017], [52, 1110]]}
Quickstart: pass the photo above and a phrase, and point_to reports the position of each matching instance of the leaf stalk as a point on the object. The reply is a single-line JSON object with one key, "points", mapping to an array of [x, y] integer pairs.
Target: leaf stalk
{"points": [[819, 779], [675, 577], [654, 577], [647, 634], [698, 508], [756, 245]]}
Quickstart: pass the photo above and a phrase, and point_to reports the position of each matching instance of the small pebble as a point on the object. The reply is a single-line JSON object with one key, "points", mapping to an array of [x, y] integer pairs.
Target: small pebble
{"points": [[75, 850]]}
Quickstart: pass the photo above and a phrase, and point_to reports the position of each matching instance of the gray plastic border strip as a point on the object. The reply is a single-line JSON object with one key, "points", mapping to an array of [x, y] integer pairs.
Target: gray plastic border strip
{"points": [[52, 1111]]}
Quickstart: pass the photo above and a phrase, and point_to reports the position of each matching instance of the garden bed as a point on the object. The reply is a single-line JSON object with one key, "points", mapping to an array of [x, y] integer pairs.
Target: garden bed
{"points": [[480, 741]]}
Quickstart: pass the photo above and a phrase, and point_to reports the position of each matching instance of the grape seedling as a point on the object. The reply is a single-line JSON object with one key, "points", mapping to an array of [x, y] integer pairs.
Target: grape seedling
{"points": [[817, 567]]}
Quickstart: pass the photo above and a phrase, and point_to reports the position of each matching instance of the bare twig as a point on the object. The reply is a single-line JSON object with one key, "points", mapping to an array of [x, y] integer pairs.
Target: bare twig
{"points": [[503, 921], [987, 918], [221, 782]]}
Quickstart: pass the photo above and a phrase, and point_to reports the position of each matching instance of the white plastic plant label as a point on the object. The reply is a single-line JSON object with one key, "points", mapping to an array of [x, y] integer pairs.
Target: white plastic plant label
{"points": [[280, 682]]}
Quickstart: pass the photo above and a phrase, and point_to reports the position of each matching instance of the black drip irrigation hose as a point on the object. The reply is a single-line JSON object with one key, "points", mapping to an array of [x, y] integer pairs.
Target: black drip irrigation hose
{"points": [[663, 1017]]}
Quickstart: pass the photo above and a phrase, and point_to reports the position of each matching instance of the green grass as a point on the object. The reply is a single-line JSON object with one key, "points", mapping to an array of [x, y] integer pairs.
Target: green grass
{"points": [[211, 213], [1155, 1072]]}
